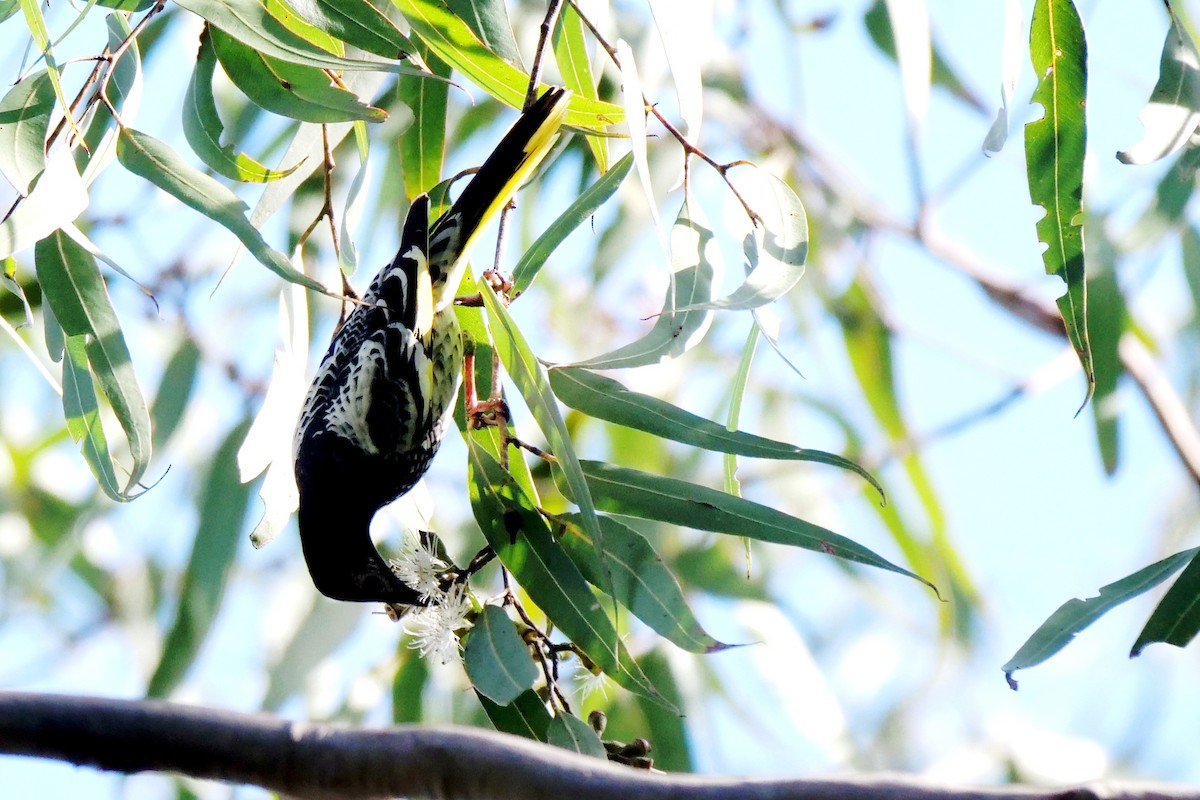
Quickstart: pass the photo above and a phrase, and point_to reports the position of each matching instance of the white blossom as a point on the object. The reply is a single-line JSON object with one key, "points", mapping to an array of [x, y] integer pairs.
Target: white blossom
{"points": [[419, 567], [434, 629]]}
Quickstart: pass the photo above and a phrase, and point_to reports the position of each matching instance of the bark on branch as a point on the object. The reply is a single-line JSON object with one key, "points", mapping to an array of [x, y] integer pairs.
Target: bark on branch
{"points": [[325, 761]]}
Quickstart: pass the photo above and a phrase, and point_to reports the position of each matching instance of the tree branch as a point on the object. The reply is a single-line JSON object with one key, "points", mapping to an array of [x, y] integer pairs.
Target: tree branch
{"points": [[318, 761]]}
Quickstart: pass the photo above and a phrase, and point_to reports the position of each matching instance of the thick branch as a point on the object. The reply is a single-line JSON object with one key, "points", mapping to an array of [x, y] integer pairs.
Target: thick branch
{"points": [[324, 761]]}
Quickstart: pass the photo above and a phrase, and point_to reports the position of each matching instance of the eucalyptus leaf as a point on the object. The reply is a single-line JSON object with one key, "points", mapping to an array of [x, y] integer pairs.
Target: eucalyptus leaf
{"points": [[24, 122], [1173, 111], [571, 733], [497, 661]]}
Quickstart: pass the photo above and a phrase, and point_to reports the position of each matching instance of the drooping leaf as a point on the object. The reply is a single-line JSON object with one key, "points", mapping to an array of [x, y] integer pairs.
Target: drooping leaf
{"points": [[497, 661], [359, 23], [635, 122], [530, 378], [82, 411], [620, 490], [574, 64], [1176, 618], [457, 45], [488, 20], [408, 686], [124, 89], [1106, 323], [297, 91], [72, 285], [57, 198], [1054, 150], [580, 210], [680, 29], [250, 23], [526, 716], [174, 391], [148, 158], [423, 144], [1010, 71], [672, 747], [202, 125], [223, 503], [737, 393], [641, 582], [607, 399], [324, 629], [291, 19], [776, 248], [696, 263], [1074, 615], [36, 23], [355, 198], [1173, 111], [571, 733], [24, 122], [914, 54], [525, 544]]}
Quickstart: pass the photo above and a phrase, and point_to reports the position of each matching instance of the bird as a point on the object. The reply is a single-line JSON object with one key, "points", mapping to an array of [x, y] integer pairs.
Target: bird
{"points": [[381, 399]]}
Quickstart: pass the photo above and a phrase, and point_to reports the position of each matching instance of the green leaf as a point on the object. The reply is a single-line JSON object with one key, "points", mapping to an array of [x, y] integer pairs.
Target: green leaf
{"points": [[57, 198], [291, 19], [640, 581], [497, 661], [24, 122], [290, 90], [531, 381], [672, 750], [696, 264], [633, 493], [359, 23], [457, 45], [202, 125], [580, 210], [423, 144], [250, 23], [1176, 618], [488, 20], [148, 158], [571, 733], [524, 543], [737, 393], [1054, 150], [82, 412], [41, 37], [408, 686], [526, 716], [1074, 615], [72, 285], [1173, 111], [607, 399], [223, 502], [124, 89], [1106, 323], [174, 391], [574, 63]]}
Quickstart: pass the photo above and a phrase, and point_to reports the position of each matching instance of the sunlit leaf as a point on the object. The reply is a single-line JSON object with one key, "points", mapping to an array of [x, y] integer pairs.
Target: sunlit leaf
{"points": [[1176, 618], [36, 23], [580, 210], [202, 125], [457, 45], [291, 90], [1054, 150], [359, 23], [571, 733], [914, 53], [488, 20], [1173, 111], [57, 198], [574, 64], [250, 23], [423, 144], [148, 158], [776, 248], [24, 122], [222, 506], [605, 398], [497, 661], [124, 89], [640, 581], [633, 493], [1010, 71], [1074, 615], [72, 285], [635, 122], [697, 265]]}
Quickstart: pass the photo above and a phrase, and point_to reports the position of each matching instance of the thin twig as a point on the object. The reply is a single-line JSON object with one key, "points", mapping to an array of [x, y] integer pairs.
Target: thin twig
{"points": [[535, 72]]}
